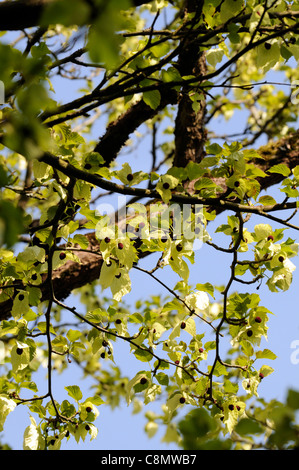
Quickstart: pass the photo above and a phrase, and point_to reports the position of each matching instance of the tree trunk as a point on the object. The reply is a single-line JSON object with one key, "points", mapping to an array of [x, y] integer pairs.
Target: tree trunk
{"points": [[189, 126]]}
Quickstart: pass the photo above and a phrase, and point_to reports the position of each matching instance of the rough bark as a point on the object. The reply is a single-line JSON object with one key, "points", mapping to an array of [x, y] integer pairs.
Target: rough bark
{"points": [[189, 125], [118, 131]]}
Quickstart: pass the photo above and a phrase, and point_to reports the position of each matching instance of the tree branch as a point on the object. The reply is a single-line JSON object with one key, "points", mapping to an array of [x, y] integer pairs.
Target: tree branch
{"points": [[21, 15], [189, 124], [118, 131], [24, 14]]}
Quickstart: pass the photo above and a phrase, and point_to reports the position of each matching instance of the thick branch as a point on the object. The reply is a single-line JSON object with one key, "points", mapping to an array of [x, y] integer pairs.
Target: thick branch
{"points": [[118, 131], [190, 133], [28, 13], [286, 150], [65, 279], [21, 14], [189, 125]]}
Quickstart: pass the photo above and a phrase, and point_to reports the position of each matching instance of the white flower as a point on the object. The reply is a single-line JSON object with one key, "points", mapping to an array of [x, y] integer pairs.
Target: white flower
{"points": [[199, 300], [6, 406], [287, 264], [214, 310], [93, 432], [31, 436]]}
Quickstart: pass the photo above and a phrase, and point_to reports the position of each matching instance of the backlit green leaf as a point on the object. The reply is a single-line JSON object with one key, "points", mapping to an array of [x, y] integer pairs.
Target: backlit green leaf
{"points": [[152, 98], [74, 392]]}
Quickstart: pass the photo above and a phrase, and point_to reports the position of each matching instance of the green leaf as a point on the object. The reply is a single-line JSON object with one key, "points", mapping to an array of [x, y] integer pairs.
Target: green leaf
{"points": [[134, 382], [60, 343], [204, 183], [171, 75], [8, 327], [108, 273], [97, 316], [213, 149], [162, 378], [74, 392], [152, 98], [151, 428], [209, 345], [207, 287], [214, 56], [20, 305], [97, 400], [32, 254], [120, 286], [67, 408], [43, 326], [197, 424], [159, 50], [11, 223], [40, 170], [161, 365], [34, 295], [165, 186], [230, 387], [172, 404], [233, 36], [191, 326], [247, 348], [247, 427], [40, 50], [268, 55], [142, 355], [219, 370], [262, 231], [3, 176], [103, 44], [267, 201], [265, 354], [81, 240], [229, 9], [295, 172], [293, 399], [281, 169], [20, 356], [73, 335], [151, 392], [266, 370]]}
